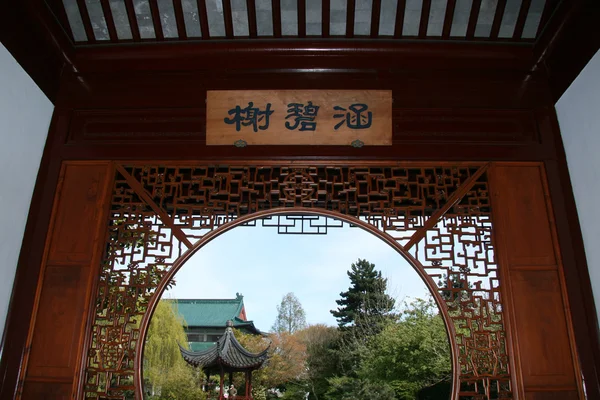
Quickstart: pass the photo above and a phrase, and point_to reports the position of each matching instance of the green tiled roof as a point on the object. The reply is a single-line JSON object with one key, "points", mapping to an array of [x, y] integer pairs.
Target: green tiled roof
{"points": [[212, 312], [201, 346]]}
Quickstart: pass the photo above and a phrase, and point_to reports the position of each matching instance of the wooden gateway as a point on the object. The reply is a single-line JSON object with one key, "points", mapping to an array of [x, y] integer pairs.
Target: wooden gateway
{"points": [[399, 117], [226, 357]]}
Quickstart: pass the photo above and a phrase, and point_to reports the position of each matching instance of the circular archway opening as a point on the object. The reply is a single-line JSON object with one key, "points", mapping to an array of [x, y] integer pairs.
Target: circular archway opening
{"points": [[344, 312]]}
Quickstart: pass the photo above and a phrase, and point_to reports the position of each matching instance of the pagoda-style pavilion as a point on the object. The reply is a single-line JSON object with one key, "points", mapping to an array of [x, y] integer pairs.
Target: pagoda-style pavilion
{"points": [[227, 356]]}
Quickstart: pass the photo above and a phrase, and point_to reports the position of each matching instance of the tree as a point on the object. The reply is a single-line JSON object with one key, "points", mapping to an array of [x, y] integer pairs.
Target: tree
{"points": [[412, 353], [290, 315], [321, 363], [286, 362], [165, 370], [365, 304]]}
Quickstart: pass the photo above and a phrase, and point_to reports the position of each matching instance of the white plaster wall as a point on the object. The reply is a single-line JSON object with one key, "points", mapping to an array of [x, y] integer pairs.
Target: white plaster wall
{"points": [[25, 114], [579, 117]]}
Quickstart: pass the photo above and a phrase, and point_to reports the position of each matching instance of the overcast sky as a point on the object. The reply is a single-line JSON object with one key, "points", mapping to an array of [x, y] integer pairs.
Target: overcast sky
{"points": [[264, 265]]}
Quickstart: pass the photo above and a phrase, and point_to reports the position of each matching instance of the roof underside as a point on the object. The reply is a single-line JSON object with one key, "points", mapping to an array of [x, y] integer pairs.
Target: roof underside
{"points": [[227, 354], [95, 22]]}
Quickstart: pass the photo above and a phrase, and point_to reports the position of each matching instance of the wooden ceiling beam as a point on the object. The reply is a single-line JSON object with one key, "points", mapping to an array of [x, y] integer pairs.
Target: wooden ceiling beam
{"points": [[87, 23], [303, 54], [448, 18], [399, 23], [133, 23], [423, 25], [252, 23], [203, 19], [179, 20], [110, 21]]}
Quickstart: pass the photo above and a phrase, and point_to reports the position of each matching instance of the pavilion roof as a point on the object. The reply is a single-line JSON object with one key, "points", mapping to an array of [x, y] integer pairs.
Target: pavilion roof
{"points": [[226, 354]]}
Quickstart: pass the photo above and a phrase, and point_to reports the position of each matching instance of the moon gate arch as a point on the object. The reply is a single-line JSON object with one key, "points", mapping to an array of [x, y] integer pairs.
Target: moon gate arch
{"points": [[437, 216]]}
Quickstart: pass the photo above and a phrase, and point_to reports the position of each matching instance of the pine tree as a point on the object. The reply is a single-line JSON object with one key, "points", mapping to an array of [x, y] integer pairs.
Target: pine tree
{"points": [[365, 305]]}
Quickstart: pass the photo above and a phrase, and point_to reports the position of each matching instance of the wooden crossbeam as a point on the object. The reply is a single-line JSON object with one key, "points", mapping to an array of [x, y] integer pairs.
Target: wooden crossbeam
{"points": [[452, 200], [162, 214]]}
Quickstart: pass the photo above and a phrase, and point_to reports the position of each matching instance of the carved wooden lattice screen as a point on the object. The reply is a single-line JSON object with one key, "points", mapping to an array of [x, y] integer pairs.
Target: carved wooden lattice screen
{"points": [[438, 214]]}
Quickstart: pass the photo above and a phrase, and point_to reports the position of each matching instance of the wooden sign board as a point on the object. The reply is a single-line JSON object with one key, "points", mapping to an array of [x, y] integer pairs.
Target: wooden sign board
{"points": [[299, 117]]}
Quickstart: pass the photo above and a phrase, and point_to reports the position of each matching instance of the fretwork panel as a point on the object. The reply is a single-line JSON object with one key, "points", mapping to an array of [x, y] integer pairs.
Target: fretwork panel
{"points": [[158, 211]]}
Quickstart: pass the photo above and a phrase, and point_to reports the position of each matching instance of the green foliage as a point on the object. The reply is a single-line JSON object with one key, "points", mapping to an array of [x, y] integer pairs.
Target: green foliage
{"points": [[348, 388], [290, 315], [168, 376], [411, 354], [365, 304], [321, 361]]}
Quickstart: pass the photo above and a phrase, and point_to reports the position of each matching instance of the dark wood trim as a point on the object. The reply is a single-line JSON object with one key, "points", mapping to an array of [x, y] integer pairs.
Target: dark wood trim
{"points": [[424, 23], [350, 9], [500, 8], [435, 217], [568, 42], [473, 17], [521, 19], [155, 13], [56, 8], [87, 23], [110, 21], [399, 26], [203, 18], [276, 14], [375, 17], [17, 326], [139, 189], [303, 54], [133, 23], [37, 42], [448, 17], [178, 10], [301, 5], [577, 279], [325, 18], [252, 24], [228, 18]]}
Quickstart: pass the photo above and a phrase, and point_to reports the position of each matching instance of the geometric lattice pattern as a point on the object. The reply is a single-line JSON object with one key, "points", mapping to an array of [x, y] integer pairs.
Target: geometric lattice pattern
{"points": [[440, 215]]}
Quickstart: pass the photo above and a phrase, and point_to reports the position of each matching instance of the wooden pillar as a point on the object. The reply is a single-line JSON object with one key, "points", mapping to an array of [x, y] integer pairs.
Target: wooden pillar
{"points": [[221, 380], [544, 355], [249, 384], [66, 285]]}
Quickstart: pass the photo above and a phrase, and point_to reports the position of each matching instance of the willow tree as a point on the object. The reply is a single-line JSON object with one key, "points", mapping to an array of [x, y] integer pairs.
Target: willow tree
{"points": [[167, 373]]}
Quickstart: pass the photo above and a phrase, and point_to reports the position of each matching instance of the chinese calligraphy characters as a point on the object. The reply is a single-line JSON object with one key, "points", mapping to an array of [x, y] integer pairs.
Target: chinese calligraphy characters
{"points": [[356, 116], [249, 116], [305, 118], [299, 117]]}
